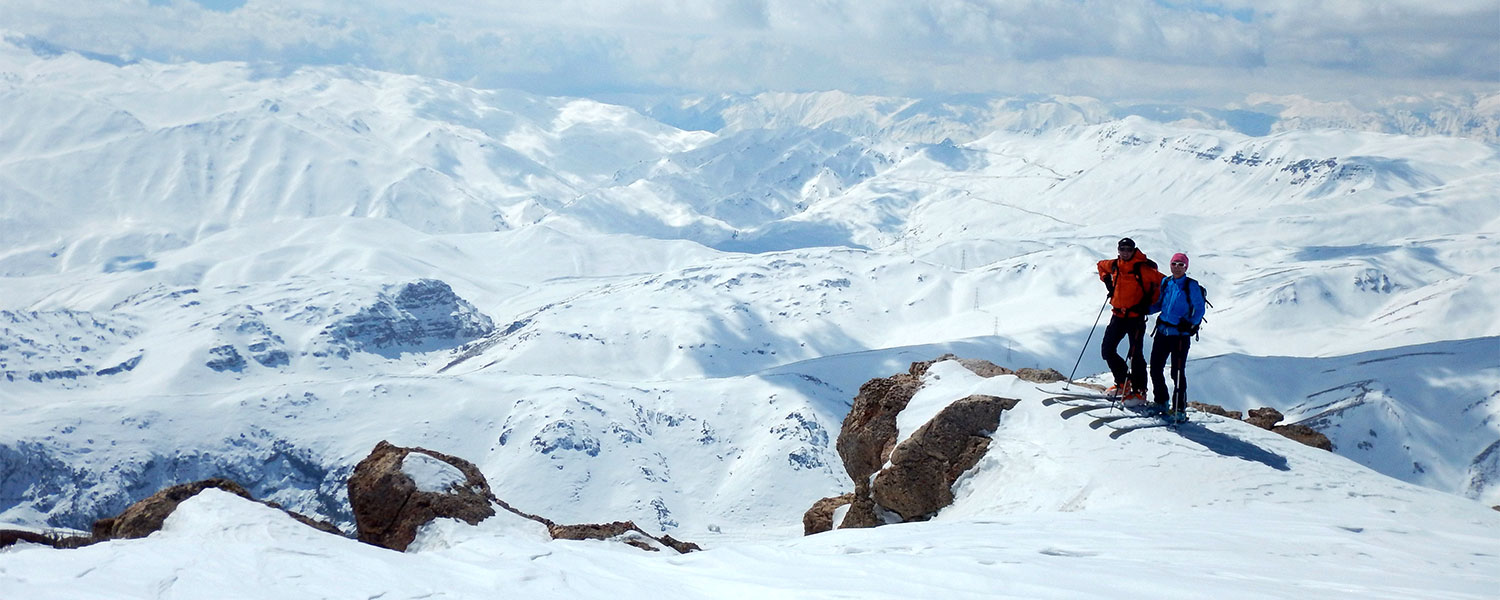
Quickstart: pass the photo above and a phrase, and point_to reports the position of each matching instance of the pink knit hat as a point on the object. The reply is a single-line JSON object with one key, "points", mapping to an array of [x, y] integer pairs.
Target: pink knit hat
{"points": [[1180, 257]]}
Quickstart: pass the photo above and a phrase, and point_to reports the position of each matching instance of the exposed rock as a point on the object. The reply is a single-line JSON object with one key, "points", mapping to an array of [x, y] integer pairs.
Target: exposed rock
{"points": [[1267, 418], [1306, 435], [1039, 375], [146, 517], [1264, 418], [225, 358], [1215, 409], [984, 368], [14, 536], [919, 480], [862, 510], [389, 507], [420, 316], [819, 518], [869, 431], [980, 367], [622, 531], [920, 477]]}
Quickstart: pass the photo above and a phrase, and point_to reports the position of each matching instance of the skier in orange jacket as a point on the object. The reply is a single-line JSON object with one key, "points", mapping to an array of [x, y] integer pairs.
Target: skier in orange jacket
{"points": [[1134, 284]]}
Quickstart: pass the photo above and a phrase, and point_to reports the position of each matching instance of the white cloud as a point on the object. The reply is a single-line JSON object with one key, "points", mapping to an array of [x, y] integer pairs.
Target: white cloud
{"points": [[1114, 48]]}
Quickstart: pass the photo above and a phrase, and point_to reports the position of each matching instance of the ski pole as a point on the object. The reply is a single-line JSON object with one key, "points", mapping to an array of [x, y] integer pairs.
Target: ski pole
{"points": [[1086, 343]]}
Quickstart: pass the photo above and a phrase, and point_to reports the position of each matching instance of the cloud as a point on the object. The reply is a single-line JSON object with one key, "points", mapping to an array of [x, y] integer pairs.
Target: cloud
{"points": [[1108, 48]]}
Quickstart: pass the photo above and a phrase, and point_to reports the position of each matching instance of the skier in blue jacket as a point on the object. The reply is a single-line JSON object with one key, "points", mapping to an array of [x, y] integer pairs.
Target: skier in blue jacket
{"points": [[1181, 310]]}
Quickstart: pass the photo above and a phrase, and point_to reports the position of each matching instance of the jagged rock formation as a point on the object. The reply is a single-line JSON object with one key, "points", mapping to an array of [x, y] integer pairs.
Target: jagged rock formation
{"points": [[1268, 419], [390, 504], [922, 469]]}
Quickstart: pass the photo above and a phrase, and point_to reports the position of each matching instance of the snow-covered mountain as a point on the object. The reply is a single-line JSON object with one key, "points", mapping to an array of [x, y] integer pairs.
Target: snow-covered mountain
{"points": [[235, 270]]}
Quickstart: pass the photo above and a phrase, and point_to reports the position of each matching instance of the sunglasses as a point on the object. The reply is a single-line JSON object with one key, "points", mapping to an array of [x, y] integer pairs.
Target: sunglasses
{"points": [[1176, 263]]}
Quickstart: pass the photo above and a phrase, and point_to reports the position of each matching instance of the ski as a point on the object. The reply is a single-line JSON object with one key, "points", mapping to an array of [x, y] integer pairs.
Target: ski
{"points": [[1075, 395], [1079, 402]]}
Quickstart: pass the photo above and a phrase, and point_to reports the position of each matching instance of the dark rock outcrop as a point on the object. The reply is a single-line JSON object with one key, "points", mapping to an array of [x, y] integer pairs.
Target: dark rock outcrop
{"points": [[421, 316], [1267, 418], [15, 536], [1215, 409], [1306, 435], [1264, 418], [869, 430], [919, 480], [622, 531], [147, 516], [819, 518], [389, 507], [869, 434], [1040, 375]]}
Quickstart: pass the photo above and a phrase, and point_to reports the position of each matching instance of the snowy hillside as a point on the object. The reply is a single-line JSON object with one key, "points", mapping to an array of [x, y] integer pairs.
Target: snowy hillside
{"points": [[243, 271], [1056, 509]]}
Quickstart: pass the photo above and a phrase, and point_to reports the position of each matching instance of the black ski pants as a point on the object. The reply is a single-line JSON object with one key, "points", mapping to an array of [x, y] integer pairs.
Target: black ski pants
{"points": [[1174, 347], [1120, 328]]}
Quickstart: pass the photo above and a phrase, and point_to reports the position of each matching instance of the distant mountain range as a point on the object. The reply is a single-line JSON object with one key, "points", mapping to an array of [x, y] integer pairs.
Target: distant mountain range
{"points": [[966, 118]]}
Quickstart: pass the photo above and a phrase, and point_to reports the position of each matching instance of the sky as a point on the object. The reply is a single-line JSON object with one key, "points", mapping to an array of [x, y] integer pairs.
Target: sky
{"points": [[1201, 51]]}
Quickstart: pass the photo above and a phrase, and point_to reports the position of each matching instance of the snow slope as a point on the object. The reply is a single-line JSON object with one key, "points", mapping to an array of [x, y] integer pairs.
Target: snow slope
{"points": [[1056, 509]]}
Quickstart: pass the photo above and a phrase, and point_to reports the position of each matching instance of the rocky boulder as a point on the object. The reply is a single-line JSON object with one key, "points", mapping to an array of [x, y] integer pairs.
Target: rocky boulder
{"points": [[920, 477], [395, 491], [1264, 418], [1268, 419], [919, 480], [869, 431], [819, 518], [1215, 409], [1306, 435]]}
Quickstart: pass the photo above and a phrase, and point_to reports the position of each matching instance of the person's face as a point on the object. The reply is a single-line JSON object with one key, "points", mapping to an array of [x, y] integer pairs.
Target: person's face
{"points": [[1126, 253], [1179, 268]]}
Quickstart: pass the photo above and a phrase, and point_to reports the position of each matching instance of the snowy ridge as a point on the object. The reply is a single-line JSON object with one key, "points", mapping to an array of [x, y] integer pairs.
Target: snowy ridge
{"points": [[966, 118]]}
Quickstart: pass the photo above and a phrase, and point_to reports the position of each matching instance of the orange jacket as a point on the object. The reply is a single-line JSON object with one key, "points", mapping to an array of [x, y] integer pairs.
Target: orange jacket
{"points": [[1136, 284]]}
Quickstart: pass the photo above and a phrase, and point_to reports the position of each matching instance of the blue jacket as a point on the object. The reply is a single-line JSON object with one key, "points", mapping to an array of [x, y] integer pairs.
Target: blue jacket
{"points": [[1178, 299]]}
